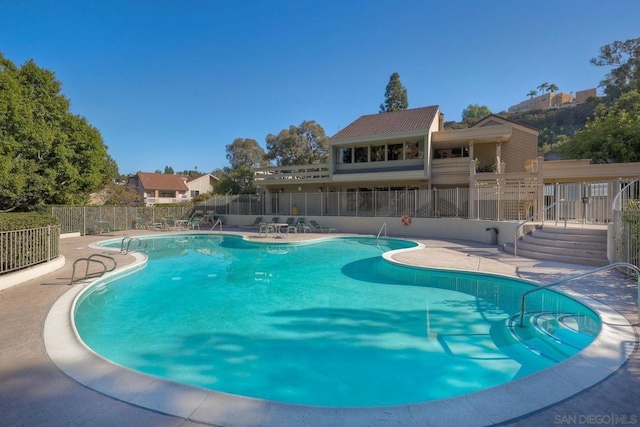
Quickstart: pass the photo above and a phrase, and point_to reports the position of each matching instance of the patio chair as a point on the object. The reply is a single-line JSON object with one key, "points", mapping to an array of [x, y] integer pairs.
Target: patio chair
{"points": [[194, 223], [292, 225], [140, 224], [301, 225], [266, 229], [104, 227], [275, 219], [317, 227], [256, 223]]}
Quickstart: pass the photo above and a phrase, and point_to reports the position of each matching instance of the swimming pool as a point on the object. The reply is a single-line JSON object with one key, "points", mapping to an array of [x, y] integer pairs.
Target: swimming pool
{"points": [[329, 323]]}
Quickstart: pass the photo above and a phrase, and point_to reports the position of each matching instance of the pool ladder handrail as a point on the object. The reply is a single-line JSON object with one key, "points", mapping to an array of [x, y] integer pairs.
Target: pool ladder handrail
{"points": [[578, 276], [384, 227], [614, 205], [89, 260], [218, 221], [537, 214], [129, 239]]}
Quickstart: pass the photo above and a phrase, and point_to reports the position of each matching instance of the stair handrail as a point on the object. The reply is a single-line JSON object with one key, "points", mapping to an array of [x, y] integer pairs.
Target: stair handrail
{"points": [[115, 263], [522, 223], [384, 227], [218, 221], [86, 274], [578, 276], [615, 199], [141, 243]]}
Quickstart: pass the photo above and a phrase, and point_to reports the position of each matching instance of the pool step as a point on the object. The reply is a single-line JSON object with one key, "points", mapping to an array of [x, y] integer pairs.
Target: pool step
{"points": [[585, 246]]}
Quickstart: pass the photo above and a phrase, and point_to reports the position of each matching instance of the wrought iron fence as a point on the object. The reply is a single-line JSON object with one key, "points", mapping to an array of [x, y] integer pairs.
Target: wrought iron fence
{"points": [[581, 202], [87, 219], [24, 248], [626, 224]]}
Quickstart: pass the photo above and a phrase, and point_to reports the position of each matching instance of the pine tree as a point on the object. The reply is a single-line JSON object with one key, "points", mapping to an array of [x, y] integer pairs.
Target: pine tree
{"points": [[395, 98]]}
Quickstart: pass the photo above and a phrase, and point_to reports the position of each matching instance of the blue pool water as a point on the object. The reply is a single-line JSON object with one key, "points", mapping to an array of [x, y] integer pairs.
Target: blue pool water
{"points": [[329, 323]]}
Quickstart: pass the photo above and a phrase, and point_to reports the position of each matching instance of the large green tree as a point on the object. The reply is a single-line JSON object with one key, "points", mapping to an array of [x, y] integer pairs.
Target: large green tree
{"points": [[395, 97], [475, 111], [47, 154], [246, 152], [625, 58], [613, 135], [299, 145]]}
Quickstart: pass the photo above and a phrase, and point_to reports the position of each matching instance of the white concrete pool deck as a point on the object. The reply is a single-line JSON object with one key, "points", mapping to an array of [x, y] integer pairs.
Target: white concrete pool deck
{"points": [[48, 378]]}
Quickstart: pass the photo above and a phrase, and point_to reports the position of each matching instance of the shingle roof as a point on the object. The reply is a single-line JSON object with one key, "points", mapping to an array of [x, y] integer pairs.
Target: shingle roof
{"points": [[162, 181], [397, 121]]}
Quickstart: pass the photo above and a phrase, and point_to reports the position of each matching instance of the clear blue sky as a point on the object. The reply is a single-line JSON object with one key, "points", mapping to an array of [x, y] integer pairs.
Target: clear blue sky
{"points": [[170, 83]]}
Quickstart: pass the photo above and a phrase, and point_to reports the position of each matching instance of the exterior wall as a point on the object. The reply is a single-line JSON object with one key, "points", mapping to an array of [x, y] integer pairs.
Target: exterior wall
{"points": [[583, 95], [485, 153], [521, 147], [202, 185]]}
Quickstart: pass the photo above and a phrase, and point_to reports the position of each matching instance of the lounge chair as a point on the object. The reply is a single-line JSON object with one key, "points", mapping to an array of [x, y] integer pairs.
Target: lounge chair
{"points": [[291, 225], [140, 224], [106, 227], [256, 223], [194, 223], [275, 220], [322, 228], [301, 225]]}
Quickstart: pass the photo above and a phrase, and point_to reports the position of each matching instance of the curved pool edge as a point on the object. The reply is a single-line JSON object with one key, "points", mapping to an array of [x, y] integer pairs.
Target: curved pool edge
{"points": [[607, 353]]}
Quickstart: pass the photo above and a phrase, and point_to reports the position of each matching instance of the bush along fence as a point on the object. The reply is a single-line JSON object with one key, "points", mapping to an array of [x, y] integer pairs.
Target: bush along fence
{"points": [[24, 248]]}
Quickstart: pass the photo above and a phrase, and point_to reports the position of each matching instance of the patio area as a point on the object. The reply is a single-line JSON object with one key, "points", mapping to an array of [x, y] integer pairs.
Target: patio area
{"points": [[34, 391]]}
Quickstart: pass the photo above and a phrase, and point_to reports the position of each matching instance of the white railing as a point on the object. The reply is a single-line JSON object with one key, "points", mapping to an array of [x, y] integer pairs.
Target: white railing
{"points": [[294, 172], [24, 248]]}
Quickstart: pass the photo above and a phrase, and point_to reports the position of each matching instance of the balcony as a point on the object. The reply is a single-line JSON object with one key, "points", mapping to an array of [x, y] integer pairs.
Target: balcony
{"points": [[289, 174]]}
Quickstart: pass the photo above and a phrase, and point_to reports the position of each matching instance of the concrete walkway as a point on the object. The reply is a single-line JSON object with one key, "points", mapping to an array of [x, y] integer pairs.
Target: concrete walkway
{"points": [[34, 392]]}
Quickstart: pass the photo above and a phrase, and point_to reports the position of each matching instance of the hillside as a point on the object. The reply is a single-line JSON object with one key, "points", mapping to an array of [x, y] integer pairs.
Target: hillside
{"points": [[552, 123]]}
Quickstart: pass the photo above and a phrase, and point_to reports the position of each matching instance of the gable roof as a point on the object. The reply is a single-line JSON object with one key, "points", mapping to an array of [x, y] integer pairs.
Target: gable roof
{"points": [[487, 121], [206, 175], [384, 123], [162, 181]]}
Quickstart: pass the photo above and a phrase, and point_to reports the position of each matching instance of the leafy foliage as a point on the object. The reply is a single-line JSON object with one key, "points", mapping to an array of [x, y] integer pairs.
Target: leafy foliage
{"points": [[395, 97], [299, 145], [246, 152], [614, 134], [625, 57], [475, 111], [25, 220], [120, 195], [47, 154]]}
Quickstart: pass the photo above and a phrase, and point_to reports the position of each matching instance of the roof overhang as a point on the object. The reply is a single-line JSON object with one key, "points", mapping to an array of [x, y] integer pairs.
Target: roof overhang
{"points": [[479, 135], [395, 136]]}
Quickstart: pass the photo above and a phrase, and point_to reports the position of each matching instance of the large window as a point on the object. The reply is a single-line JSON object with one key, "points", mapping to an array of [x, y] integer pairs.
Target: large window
{"points": [[345, 155], [394, 152], [413, 150], [361, 154], [377, 153]]}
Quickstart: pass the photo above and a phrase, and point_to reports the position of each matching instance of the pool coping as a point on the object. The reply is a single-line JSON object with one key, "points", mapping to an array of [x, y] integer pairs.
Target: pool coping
{"points": [[608, 352]]}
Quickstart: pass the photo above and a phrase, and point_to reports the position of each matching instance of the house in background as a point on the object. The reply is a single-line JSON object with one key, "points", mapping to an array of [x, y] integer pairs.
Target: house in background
{"points": [[553, 100], [407, 150], [156, 188]]}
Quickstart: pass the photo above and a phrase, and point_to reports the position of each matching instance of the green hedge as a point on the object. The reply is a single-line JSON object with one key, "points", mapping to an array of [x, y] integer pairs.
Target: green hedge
{"points": [[25, 220]]}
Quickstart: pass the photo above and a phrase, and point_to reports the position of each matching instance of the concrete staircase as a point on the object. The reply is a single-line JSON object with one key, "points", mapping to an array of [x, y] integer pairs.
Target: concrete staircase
{"points": [[586, 246]]}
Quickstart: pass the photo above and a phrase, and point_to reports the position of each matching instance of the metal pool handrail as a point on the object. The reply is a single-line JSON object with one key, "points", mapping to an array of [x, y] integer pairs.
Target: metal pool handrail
{"points": [[615, 199], [522, 223], [578, 276], [384, 227]]}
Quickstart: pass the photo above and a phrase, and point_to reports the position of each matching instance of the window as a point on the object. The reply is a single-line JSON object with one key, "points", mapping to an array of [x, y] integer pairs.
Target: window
{"points": [[377, 153], [344, 155], [394, 152], [413, 150], [361, 154], [195, 193], [162, 193]]}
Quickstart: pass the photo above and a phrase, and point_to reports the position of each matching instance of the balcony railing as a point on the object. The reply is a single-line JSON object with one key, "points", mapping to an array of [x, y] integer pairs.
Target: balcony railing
{"points": [[295, 172]]}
